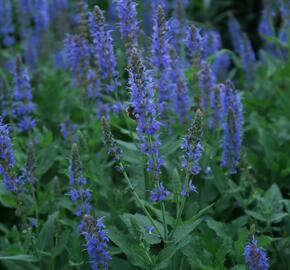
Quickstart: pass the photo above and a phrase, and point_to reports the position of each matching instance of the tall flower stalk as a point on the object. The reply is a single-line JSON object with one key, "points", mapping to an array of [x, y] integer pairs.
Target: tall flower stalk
{"points": [[256, 258], [161, 62], [232, 131], [128, 24], [79, 193], [103, 49], [243, 46], [96, 242], [142, 100], [23, 107], [194, 46], [7, 162], [6, 23], [190, 161], [179, 87]]}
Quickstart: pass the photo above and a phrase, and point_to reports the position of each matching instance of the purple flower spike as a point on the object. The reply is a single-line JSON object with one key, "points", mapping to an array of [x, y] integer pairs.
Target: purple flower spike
{"points": [[97, 240], [161, 62], [144, 110], [191, 146], [24, 107], [233, 123], [79, 193], [128, 24], [256, 258]]}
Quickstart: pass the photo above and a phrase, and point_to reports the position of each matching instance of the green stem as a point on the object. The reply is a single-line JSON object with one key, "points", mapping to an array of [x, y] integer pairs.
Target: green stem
{"points": [[164, 220], [181, 263], [138, 199], [146, 253], [180, 210]]}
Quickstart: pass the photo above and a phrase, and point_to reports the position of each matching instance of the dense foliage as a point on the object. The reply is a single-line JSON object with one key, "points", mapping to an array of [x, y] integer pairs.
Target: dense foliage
{"points": [[144, 135]]}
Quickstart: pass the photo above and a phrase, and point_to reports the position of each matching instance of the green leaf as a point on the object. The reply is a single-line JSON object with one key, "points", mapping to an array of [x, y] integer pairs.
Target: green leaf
{"points": [[163, 259], [45, 240], [134, 252], [239, 267], [61, 243], [185, 229], [45, 160], [276, 218], [193, 258], [143, 221], [188, 226], [223, 250], [23, 258], [6, 197], [256, 215], [218, 227], [274, 197]]}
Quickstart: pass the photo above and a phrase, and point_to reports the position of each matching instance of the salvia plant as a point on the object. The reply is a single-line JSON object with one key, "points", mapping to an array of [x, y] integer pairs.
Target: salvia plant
{"points": [[144, 135]]}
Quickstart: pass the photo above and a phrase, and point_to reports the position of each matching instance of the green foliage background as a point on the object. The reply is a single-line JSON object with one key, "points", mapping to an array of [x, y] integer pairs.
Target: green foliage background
{"points": [[218, 219]]}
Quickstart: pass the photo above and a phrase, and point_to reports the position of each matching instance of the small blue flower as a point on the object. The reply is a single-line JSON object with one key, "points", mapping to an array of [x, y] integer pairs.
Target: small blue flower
{"points": [[191, 188], [150, 229], [159, 194]]}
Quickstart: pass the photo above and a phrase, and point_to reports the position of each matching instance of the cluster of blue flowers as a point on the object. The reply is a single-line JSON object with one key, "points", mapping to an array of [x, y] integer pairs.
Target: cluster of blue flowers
{"points": [[179, 87], [129, 29], [103, 49], [192, 147], [159, 194], [96, 242], [79, 193], [206, 85], [212, 45], [78, 56], [177, 25], [256, 257], [242, 46], [7, 160], [232, 111], [266, 29], [194, 46], [23, 106], [6, 24], [92, 229], [68, 130], [91, 58], [186, 190], [161, 61], [142, 95]]}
